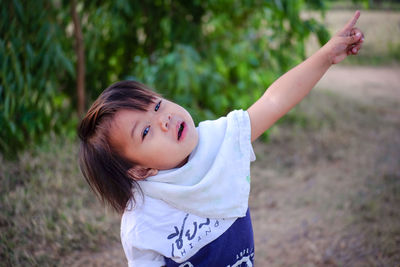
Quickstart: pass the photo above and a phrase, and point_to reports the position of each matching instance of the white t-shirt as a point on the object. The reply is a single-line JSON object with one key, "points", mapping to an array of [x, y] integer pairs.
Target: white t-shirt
{"points": [[163, 222]]}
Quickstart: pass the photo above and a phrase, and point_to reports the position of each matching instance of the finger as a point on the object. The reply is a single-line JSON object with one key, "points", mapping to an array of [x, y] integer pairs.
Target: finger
{"points": [[356, 49], [350, 50], [358, 46], [353, 38], [353, 20], [356, 31], [350, 24]]}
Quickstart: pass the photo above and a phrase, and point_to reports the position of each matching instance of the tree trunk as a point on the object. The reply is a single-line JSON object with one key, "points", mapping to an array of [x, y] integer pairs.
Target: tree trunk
{"points": [[80, 66]]}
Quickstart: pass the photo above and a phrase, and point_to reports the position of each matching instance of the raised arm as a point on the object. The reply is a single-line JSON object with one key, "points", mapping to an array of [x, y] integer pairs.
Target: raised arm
{"points": [[294, 85]]}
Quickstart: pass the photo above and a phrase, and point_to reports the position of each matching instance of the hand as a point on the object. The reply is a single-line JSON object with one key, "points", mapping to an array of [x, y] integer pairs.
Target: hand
{"points": [[346, 42]]}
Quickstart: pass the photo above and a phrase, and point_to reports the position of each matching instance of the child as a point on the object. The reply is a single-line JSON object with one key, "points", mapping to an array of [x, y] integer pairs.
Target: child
{"points": [[183, 191]]}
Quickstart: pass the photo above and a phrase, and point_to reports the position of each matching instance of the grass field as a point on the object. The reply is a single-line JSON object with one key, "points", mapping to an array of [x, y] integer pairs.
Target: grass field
{"points": [[47, 210]]}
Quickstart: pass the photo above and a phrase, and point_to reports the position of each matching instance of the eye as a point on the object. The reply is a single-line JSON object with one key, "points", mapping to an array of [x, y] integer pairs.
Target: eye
{"points": [[145, 132], [157, 106]]}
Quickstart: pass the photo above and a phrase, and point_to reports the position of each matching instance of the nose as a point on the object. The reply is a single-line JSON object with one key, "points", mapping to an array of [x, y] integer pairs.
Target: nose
{"points": [[163, 120]]}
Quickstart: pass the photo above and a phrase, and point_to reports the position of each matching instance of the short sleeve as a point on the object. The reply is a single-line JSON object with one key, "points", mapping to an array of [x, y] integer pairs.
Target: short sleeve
{"points": [[242, 120]]}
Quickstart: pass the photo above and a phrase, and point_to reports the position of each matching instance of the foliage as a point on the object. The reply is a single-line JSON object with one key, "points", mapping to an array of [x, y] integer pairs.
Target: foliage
{"points": [[210, 56], [240, 52], [33, 63]]}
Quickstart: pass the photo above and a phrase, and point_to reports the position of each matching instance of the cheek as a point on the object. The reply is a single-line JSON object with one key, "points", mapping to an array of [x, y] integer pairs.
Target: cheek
{"points": [[132, 154], [151, 154], [194, 139]]}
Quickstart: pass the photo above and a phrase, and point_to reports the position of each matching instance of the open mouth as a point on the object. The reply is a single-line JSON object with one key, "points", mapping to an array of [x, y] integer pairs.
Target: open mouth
{"points": [[181, 127]]}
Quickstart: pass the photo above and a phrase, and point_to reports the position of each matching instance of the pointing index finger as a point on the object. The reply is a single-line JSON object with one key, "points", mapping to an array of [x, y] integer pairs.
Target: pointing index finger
{"points": [[352, 21]]}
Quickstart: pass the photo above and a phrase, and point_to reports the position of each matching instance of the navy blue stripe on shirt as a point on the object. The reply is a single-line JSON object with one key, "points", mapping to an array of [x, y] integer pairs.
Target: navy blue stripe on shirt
{"points": [[235, 247]]}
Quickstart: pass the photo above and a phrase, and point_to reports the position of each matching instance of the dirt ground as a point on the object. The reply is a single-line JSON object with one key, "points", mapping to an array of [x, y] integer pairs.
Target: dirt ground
{"points": [[313, 188], [321, 192]]}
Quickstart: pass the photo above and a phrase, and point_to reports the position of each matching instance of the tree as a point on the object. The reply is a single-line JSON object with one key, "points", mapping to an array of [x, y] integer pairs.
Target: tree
{"points": [[210, 56], [33, 64], [80, 66]]}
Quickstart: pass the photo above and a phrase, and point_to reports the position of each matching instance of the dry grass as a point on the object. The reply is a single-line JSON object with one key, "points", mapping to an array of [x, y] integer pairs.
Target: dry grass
{"points": [[47, 210], [327, 193]]}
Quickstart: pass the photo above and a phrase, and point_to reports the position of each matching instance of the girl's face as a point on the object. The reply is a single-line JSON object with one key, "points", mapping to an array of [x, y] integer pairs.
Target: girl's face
{"points": [[161, 138]]}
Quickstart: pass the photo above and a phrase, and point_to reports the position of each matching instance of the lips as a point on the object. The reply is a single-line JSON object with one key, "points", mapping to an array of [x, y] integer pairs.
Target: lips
{"points": [[181, 128]]}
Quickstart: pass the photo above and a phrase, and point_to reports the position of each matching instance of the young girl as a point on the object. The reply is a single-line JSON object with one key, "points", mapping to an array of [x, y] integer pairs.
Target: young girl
{"points": [[183, 191]]}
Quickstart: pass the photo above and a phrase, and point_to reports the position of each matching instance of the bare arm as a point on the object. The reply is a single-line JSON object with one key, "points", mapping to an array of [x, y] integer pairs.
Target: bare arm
{"points": [[294, 85]]}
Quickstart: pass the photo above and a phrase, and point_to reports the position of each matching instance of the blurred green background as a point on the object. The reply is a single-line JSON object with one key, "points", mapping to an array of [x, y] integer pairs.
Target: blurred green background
{"points": [[210, 56]]}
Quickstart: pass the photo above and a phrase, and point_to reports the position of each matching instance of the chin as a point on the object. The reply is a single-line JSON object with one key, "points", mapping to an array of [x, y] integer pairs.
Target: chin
{"points": [[183, 162]]}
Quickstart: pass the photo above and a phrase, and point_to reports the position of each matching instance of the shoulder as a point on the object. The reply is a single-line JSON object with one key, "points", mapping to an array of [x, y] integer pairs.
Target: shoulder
{"points": [[230, 131], [234, 114], [236, 119], [239, 119]]}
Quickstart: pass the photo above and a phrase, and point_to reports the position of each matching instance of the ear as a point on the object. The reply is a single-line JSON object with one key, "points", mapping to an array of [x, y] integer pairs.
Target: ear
{"points": [[140, 173]]}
